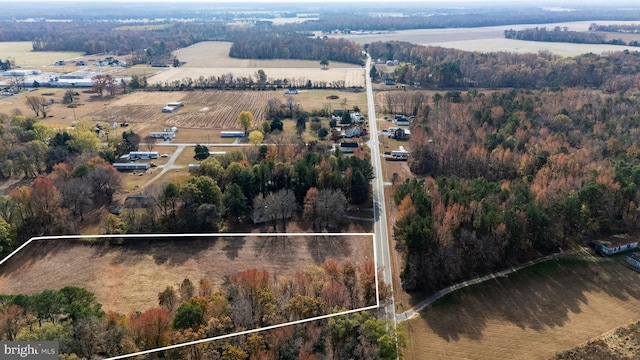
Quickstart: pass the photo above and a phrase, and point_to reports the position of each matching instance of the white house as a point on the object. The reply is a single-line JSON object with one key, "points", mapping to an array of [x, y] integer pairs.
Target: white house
{"points": [[351, 132], [616, 244]]}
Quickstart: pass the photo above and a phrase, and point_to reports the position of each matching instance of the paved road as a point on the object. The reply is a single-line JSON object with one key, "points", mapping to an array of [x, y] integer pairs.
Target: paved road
{"points": [[380, 213]]}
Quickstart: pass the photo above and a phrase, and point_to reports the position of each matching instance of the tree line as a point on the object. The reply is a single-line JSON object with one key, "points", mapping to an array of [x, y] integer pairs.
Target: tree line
{"points": [[270, 45], [513, 175], [564, 35], [621, 28], [247, 300], [266, 181], [435, 68]]}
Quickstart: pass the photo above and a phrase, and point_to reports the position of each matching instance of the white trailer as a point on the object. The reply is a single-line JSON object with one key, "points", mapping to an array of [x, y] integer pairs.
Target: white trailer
{"points": [[143, 155]]}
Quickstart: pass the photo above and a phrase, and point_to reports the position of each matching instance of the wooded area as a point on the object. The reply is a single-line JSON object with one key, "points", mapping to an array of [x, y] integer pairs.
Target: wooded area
{"points": [[564, 35], [437, 68], [513, 175]]}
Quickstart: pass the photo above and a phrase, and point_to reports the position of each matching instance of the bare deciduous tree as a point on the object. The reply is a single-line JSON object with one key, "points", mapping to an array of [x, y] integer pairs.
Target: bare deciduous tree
{"points": [[37, 104]]}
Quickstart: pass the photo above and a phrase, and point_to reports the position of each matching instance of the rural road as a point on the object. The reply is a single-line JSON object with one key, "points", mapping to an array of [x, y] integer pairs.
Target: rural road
{"points": [[380, 213]]}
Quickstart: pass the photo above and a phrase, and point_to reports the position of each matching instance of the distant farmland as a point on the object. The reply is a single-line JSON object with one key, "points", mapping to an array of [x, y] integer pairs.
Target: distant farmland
{"points": [[211, 58], [491, 39]]}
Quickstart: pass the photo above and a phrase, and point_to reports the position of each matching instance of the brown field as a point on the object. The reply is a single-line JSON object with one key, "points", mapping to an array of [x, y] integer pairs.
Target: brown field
{"points": [[211, 58], [128, 277], [529, 315], [491, 39], [201, 110]]}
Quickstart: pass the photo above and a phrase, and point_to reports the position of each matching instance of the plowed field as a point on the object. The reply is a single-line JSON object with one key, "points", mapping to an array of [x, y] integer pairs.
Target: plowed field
{"points": [[202, 109]]}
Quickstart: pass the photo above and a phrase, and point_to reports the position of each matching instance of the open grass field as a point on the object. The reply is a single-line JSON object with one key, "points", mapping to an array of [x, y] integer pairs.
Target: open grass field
{"points": [[21, 53], [317, 99], [128, 277], [211, 58], [532, 314], [491, 39]]}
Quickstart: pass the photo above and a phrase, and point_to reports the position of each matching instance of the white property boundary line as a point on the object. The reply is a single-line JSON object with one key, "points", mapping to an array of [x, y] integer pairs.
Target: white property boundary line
{"points": [[220, 235]]}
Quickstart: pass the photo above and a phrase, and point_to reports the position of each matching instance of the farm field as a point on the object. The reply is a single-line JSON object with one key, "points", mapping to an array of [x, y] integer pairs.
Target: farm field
{"points": [[128, 277], [491, 39], [211, 58], [532, 314], [21, 53], [202, 109]]}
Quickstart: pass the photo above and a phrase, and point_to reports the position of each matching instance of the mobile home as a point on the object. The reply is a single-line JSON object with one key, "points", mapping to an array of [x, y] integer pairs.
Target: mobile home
{"points": [[143, 155], [232, 134], [130, 166]]}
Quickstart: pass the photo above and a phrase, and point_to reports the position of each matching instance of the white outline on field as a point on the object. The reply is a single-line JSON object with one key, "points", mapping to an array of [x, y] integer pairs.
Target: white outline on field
{"points": [[218, 235]]}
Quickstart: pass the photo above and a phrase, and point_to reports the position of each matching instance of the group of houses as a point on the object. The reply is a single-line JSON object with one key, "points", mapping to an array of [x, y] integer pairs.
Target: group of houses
{"points": [[126, 161]]}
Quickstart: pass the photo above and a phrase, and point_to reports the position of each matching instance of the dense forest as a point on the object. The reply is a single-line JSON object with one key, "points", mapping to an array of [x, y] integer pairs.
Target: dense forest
{"points": [[247, 300], [513, 175], [564, 35], [435, 67]]}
